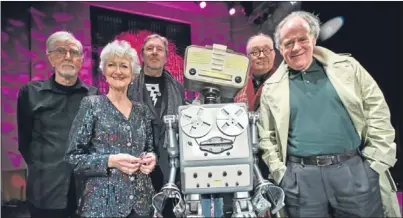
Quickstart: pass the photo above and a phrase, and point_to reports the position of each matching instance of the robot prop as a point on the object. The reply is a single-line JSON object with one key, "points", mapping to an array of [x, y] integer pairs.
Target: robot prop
{"points": [[218, 143]]}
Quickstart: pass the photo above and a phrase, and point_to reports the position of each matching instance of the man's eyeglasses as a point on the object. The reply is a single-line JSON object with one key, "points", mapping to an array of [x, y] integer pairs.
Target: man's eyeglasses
{"points": [[266, 51], [62, 52]]}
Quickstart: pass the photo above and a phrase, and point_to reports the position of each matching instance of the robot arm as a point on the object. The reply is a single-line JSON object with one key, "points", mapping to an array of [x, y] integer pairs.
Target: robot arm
{"points": [[172, 148], [170, 190], [218, 142], [267, 195]]}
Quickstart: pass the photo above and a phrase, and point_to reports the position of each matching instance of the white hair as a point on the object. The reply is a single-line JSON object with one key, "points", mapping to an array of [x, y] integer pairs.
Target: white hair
{"points": [[61, 36], [120, 48], [312, 20], [253, 37]]}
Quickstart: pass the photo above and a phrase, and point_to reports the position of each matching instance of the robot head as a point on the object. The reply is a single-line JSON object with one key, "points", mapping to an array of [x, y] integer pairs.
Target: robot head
{"points": [[215, 67]]}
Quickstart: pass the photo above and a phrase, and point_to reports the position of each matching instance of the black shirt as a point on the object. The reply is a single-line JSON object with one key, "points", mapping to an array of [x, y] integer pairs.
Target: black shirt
{"points": [[258, 80], [155, 88], [45, 112]]}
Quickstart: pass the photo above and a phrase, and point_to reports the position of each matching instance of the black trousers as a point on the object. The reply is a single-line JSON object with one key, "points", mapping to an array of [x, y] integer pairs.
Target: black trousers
{"points": [[347, 189], [168, 210], [68, 212], [50, 213]]}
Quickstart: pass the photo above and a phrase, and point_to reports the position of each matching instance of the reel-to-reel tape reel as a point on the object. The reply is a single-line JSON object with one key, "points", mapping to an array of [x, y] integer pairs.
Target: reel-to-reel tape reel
{"points": [[217, 142], [215, 148]]}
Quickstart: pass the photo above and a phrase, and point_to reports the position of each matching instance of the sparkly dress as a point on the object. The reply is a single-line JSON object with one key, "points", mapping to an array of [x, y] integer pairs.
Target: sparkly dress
{"points": [[98, 131]]}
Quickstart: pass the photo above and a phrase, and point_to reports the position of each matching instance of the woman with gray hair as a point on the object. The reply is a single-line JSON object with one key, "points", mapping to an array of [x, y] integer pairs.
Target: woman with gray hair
{"points": [[111, 143]]}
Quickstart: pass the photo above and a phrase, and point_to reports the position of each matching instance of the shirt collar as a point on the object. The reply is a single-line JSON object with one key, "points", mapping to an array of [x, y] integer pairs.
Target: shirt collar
{"points": [[49, 84], [315, 66]]}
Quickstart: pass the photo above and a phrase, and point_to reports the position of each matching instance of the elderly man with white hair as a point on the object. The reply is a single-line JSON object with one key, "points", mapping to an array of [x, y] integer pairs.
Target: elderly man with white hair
{"points": [[45, 111], [325, 129]]}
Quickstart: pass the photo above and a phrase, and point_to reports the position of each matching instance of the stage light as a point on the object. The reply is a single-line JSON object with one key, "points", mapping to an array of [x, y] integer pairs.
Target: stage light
{"points": [[331, 27], [232, 11], [203, 4]]}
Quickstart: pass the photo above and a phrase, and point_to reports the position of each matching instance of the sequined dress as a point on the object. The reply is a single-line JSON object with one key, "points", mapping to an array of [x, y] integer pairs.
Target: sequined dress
{"points": [[98, 131]]}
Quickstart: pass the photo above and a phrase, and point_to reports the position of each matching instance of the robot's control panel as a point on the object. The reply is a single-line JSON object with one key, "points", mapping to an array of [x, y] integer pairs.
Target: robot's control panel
{"points": [[216, 65], [216, 155]]}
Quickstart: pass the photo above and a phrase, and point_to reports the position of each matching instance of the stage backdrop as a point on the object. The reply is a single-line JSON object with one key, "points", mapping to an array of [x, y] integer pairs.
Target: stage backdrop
{"points": [[107, 25], [25, 27]]}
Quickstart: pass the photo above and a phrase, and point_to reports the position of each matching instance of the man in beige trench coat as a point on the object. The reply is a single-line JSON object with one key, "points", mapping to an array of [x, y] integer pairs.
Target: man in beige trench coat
{"points": [[325, 129]]}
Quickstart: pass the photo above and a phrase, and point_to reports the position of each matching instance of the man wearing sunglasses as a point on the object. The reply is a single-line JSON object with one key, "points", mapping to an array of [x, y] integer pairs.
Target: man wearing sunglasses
{"points": [[45, 111]]}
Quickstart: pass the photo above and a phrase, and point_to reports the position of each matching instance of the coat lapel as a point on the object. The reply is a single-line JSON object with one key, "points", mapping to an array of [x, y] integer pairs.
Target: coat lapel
{"points": [[342, 76], [278, 96], [164, 105]]}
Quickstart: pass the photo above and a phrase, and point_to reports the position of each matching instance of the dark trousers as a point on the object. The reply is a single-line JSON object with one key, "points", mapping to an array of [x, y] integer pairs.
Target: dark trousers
{"points": [[49, 213], [168, 210], [68, 212], [348, 189]]}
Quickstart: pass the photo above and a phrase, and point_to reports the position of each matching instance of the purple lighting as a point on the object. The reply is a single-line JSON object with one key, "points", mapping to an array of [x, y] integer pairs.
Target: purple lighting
{"points": [[62, 17], [232, 11], [243, 11], [15, 158], [203, 4]]}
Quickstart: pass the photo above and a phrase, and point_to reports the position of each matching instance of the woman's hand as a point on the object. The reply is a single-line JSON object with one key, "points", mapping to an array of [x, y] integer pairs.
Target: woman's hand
{"points": [[124, 162], [148, 162]]}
